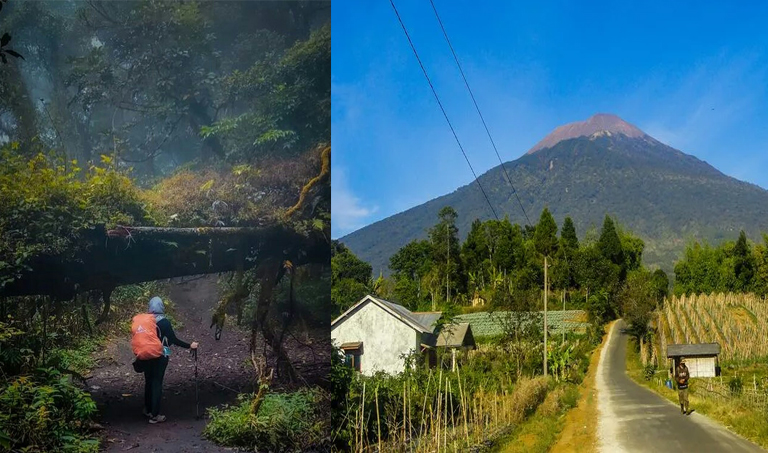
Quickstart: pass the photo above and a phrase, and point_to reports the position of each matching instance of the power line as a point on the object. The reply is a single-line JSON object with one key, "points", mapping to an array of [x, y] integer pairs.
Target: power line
{"points": [[466, 83], [441, 107]]}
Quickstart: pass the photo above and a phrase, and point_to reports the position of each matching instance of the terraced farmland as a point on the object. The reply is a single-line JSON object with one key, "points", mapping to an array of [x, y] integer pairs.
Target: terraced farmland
{"points": [[490, 324], [738, 322]]}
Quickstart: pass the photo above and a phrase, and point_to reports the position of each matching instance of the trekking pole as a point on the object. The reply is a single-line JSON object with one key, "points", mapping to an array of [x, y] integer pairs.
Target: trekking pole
{"points": [[197, 397]]}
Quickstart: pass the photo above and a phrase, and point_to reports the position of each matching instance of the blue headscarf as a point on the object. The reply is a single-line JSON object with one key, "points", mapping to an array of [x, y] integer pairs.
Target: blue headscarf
{"points": [[157, 308]]}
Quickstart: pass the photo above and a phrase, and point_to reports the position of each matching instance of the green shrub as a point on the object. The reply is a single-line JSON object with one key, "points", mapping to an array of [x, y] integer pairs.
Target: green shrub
{"points": [[341, 377], [570, 398], [736, 385], [649, 371], [295, 421], [45, 412], [527, 396]]}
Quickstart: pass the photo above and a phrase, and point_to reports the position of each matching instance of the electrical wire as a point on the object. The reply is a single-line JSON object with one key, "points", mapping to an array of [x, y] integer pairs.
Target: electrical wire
{"points": [[437, 98], [487, 131]]}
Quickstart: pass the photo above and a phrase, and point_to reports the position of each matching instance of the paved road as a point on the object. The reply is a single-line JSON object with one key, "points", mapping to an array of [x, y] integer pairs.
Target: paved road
{"points": [[634, 419]]}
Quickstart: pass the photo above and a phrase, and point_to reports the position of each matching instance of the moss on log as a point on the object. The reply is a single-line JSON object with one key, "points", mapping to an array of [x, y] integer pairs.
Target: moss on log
{"points": [[128, 255]]}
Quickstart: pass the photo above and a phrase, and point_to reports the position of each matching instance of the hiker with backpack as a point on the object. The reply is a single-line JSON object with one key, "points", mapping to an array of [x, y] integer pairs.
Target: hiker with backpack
{"points": [[152, 337]]}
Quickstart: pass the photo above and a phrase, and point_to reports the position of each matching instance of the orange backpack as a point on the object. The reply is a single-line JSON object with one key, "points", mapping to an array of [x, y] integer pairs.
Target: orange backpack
{"points": [[145, 341]]}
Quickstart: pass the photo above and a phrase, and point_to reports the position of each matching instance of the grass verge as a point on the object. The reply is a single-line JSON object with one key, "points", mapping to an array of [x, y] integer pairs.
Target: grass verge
{"points": [[579, 432], [567, 420], [538, 432]]}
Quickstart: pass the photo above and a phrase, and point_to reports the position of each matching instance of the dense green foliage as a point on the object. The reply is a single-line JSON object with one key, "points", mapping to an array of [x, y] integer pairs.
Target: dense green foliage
{"points": [[41, 408], [45, 412], [351, 278], [503, 266], [730, 267], [659, 193], [295, 421], [156, 85], [46, 203]]}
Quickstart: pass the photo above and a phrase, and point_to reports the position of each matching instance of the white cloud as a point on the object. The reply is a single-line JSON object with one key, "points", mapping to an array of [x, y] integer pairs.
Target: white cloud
{"points": [[348, 212]]}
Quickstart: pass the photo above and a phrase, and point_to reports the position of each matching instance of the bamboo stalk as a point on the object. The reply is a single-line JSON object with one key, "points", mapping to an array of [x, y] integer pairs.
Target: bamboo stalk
{"points": [[378, 417], [362, 421]]}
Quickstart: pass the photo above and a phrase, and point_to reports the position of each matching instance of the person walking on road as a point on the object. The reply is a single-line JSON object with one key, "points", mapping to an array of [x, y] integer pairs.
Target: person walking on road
{"points": [[154, 371], [682, 376]]}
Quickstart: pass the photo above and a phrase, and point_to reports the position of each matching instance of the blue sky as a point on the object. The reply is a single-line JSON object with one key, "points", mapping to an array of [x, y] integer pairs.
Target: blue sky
{"points": [[691, 74]]}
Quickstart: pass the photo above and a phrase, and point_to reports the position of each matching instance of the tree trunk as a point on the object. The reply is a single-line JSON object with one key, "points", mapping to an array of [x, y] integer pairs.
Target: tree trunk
{"points": [[107, 296], [129, 255], [270, 274], [200, 117]]}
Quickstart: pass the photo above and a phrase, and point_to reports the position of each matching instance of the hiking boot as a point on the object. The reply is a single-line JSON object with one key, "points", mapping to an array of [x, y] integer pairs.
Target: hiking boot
{"points": [[157, 419]]}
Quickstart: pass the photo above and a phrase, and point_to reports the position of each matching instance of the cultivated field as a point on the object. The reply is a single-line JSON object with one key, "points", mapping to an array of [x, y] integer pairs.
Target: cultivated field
{"points": [[738, 322]]}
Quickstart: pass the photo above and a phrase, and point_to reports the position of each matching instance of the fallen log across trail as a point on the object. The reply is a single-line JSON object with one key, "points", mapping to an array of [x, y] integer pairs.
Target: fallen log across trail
{"points": [[128, 255]]}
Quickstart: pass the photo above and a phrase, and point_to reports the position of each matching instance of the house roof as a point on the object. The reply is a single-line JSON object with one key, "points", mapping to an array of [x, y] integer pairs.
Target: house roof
{"points": [[428, 318], [414, 320], [686, 350], [456, 335]]}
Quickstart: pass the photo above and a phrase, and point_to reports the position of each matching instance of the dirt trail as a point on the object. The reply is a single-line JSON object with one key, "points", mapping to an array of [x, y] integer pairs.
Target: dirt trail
{"points": [[119, 391]]}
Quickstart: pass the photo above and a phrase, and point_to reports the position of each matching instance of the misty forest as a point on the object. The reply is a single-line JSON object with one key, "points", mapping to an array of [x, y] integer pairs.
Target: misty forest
{"points": [[171, 149]]}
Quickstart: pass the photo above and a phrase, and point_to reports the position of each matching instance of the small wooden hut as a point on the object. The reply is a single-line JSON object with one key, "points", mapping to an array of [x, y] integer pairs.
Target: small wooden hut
{"points": [[701, 359]]}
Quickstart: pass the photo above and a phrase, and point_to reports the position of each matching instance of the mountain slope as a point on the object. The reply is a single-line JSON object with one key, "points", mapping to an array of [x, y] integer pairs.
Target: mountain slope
{"points": [[586, 171]]}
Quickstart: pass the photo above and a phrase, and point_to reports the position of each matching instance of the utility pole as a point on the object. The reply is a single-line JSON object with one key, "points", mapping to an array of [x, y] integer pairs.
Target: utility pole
{"points": [[563, 315], [545, 315], [447, 263]]}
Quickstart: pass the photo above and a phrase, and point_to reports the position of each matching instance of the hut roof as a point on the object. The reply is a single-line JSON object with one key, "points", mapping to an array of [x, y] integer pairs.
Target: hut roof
{"points": [[692, 350], [456, 335]]}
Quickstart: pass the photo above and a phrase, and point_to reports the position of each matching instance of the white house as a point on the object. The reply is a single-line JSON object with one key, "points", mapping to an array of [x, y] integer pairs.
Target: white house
{"points": [[375, 334]]}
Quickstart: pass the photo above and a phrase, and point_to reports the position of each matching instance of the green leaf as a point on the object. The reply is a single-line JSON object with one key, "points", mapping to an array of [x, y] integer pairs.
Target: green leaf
{"points": [[5, 440]]}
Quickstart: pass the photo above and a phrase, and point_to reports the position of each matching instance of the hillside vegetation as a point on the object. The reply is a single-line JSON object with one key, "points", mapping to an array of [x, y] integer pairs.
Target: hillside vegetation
{"points": [[664, 196]]}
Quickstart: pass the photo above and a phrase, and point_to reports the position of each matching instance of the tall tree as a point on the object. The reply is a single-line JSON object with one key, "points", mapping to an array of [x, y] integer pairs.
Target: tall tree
{"points": [[564, 270], [609, 244], [446, 252], [743, 263], [568, 238], [475, 252], [545, 236], [660, 283], [350, 278], [410, 265], [638, 300]]}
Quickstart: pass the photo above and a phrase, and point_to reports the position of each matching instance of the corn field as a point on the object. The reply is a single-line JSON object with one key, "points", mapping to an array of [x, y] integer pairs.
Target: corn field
{"points": [[738, 322]]}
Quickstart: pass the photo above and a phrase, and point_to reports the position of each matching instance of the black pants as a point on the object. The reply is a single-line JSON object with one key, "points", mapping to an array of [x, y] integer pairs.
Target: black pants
{"points": [[154, 371]]}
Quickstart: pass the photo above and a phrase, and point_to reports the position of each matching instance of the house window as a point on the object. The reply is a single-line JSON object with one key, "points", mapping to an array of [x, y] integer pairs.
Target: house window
{"points": [[353, 353]]}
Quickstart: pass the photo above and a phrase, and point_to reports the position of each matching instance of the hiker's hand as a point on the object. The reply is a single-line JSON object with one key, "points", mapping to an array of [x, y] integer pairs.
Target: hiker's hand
{"points": [[193, 345]]}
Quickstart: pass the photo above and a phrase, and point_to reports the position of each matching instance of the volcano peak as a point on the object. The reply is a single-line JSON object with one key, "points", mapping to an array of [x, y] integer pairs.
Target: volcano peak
{"points": [[600, 122]]}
